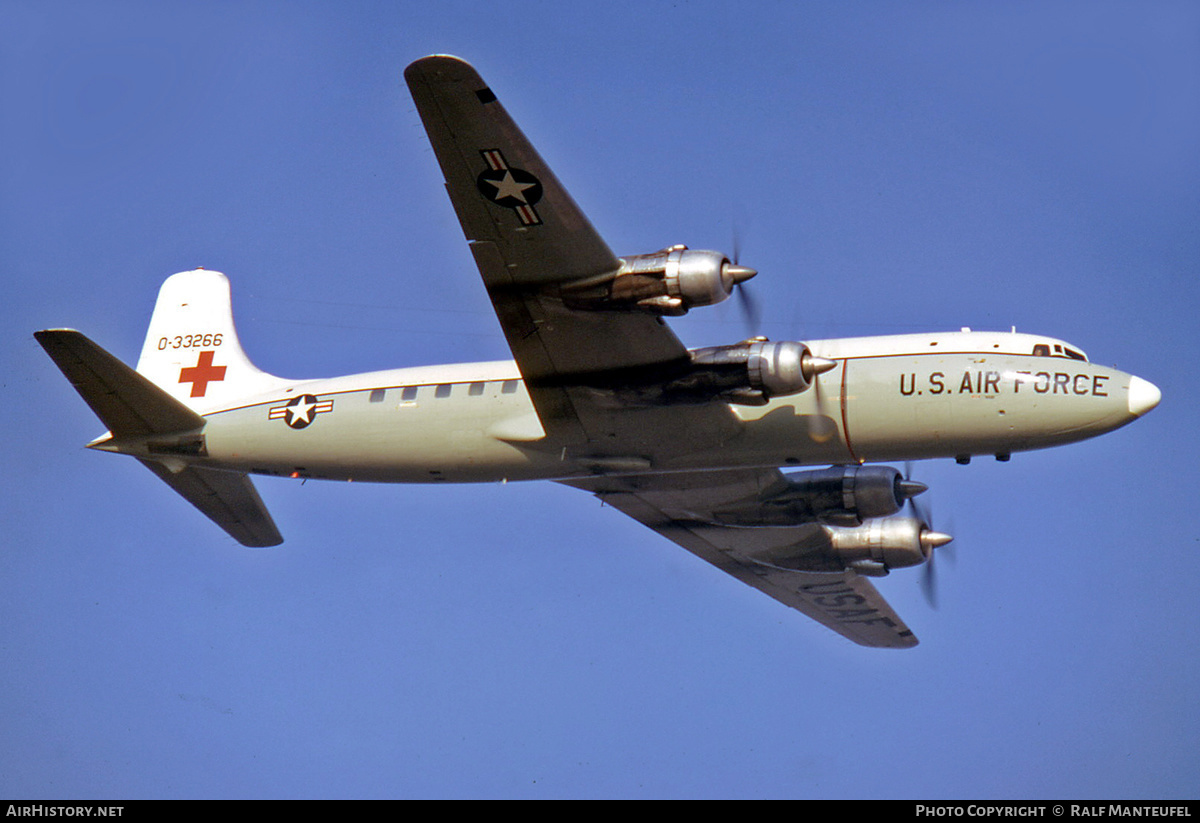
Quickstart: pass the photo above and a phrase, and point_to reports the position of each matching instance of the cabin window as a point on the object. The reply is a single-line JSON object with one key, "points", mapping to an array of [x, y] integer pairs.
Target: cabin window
{"points": [[475, 390], [443, 390], [409, 394], [509, 387], [377, 395]]}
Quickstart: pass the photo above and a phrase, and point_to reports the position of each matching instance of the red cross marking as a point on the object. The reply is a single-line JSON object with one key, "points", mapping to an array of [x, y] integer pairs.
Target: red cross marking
{"points": [[201, 374]]}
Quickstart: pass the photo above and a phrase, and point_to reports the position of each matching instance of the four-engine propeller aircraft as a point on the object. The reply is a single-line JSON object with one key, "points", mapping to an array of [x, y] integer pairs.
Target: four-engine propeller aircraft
{"points": [[602, 396]]}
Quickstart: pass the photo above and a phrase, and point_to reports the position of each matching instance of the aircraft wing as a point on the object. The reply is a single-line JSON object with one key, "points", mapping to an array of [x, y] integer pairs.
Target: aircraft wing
{"points": [[528, 237], [681, 506]]}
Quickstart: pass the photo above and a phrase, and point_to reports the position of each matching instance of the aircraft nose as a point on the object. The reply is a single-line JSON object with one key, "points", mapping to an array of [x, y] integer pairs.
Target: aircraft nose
{"points": [[1143, 396]]}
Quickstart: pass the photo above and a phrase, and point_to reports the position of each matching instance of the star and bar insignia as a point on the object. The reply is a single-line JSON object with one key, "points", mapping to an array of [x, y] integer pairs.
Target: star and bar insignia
{"points": [[511, 188], [300, 411]]}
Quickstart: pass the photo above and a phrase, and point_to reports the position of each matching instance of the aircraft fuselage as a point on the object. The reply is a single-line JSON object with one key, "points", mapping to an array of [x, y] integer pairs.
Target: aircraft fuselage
{"points": [[954, 394]]}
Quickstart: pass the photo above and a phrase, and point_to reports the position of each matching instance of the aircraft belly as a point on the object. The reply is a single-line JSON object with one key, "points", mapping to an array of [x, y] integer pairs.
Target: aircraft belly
{"points": [[913, 407]]}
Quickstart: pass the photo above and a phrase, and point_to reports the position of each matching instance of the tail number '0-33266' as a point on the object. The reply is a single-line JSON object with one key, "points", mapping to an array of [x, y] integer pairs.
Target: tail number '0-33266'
{"points": [[190, 341], [993, 382]]}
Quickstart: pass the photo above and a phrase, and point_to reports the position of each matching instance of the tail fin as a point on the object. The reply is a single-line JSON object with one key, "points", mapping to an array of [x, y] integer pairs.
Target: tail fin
{"points": [[192, 350], [154, 413]]}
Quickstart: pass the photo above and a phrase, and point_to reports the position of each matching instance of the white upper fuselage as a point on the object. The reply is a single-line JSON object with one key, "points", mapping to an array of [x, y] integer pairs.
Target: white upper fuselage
{"points": [[944, 394]]}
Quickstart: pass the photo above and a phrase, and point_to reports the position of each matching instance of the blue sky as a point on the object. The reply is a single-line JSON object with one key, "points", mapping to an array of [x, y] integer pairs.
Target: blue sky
{"points": [[888, 167]]}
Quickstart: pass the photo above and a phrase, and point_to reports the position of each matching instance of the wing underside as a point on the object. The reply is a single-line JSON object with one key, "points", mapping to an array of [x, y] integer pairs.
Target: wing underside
{"points": [[681, 507]]}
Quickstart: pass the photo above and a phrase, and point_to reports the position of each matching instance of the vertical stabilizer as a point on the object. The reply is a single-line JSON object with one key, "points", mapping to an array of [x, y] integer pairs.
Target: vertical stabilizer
{"points": [[192, 350]]}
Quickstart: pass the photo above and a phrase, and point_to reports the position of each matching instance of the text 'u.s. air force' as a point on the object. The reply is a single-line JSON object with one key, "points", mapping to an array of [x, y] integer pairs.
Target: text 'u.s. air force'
{"points": [[991, 383]]}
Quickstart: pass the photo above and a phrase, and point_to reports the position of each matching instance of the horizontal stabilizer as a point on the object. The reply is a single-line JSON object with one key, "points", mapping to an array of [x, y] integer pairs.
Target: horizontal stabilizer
{"points": [[229, 499], [133, 407], [125, 401]]}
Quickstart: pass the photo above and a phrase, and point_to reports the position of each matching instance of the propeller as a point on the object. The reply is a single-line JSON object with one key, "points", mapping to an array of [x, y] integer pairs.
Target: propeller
{"points": [[930, 539], [740, 274], [751, 316]]}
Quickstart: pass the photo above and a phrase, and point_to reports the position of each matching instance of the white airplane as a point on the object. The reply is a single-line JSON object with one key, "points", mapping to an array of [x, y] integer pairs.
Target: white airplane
{"points": [[602, 396]]}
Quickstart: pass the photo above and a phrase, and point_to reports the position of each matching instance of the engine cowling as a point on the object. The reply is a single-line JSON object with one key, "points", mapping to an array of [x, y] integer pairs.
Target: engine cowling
{"points": [[668, 282], [872, 549], [754, 371], [878, 546], [841, 495]]}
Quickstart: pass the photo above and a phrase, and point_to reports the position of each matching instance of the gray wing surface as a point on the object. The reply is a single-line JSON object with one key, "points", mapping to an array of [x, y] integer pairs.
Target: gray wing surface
{"points": [[535, 226], [528, 236], [680, 507]]}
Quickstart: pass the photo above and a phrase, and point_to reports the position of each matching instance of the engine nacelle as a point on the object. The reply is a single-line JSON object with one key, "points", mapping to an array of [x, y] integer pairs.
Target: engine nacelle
{"points": [[841, 495], [761, 369], [872, 549], [749, 373], [667, 282], [878, 546]]}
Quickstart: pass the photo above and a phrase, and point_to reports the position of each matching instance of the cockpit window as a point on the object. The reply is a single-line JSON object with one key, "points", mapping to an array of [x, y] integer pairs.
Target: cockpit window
{"points": [[1043, 350]]}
